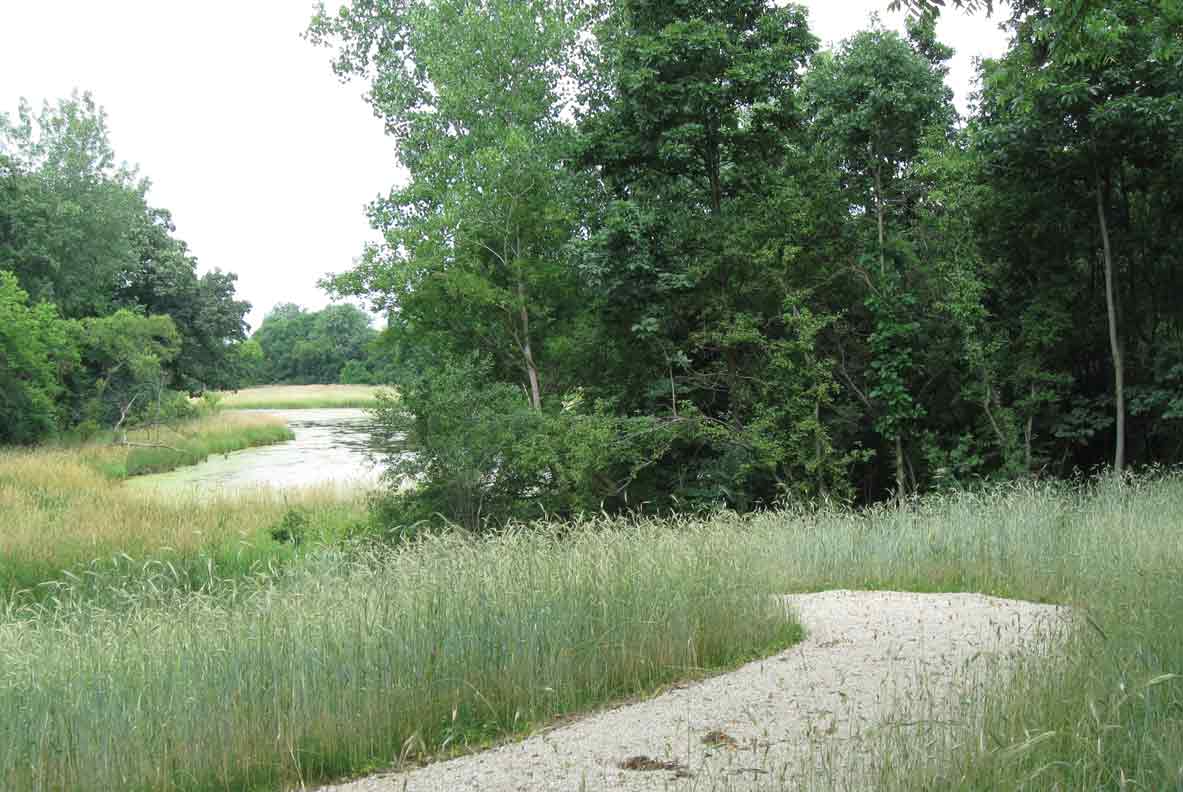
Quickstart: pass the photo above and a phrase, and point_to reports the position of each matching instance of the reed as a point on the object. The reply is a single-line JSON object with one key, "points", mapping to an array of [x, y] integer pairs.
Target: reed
{"points": [[354, 656], [356, 660], [66, 510], [297, 397], [158, 449]]}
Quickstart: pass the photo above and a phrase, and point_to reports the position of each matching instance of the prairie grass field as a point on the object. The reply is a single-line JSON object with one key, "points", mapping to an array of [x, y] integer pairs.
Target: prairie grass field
{"points": [[64, 510], [162, 448], [354, 657], [348, 655], [1107, 713], [296, 397]]}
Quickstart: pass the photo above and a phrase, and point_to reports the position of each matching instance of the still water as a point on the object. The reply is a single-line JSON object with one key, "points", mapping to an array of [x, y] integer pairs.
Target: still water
{"points": [[332, 447]]}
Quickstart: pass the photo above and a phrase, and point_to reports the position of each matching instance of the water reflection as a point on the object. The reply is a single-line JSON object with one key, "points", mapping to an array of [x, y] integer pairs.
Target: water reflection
{"points": [[331, 447]]}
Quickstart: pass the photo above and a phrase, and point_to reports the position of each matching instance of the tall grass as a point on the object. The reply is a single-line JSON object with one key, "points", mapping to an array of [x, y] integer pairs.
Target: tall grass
{"points": [[163, 448], [62, 519], [1104, 713], [353, 658], [1108, 712], [296, 397], [351, 661]]}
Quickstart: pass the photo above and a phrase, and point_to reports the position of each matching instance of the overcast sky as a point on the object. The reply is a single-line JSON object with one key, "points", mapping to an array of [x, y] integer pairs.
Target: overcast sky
{"points": [[263, 157]]}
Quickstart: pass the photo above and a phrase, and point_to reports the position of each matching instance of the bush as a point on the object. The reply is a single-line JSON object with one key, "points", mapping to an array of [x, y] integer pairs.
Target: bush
{"points": [[355, 372], [483, 456]]}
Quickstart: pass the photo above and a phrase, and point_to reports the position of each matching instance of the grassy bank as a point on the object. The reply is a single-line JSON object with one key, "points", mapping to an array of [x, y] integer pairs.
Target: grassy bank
{"points": [[65, 511], [350, 657], [349, 660], [300, 397], [164, 448]]}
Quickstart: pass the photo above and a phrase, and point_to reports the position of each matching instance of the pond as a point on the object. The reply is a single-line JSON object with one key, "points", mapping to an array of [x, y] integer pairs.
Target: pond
{"points": [[332, 447]]}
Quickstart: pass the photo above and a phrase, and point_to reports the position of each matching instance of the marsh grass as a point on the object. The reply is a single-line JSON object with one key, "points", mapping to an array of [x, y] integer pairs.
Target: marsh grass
{"points": [[354, 657], [63, 521], [296, 397], [160, 448], [360, 659]]}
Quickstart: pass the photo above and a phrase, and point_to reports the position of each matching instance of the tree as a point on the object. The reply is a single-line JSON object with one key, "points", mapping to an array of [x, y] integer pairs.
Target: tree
{"points": [[70, 212], [871, 105], [76, 229], [299, 346], [692, 115], [473, 253], [127, 354], [1088, 123], [36, 349], [209, 318]]}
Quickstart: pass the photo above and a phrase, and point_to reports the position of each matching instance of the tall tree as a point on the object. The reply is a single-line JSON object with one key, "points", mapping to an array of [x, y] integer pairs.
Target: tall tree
{"points": [[70, 210], [473, 93], [871, 104], [210, 319], [691, 111], [1090, 123], [298, 346], [36, 349]]}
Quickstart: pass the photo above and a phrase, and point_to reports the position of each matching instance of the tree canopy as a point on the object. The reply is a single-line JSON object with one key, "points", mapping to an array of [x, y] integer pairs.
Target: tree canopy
{"points": [[722, 266], [299, 347], [102, 300]]}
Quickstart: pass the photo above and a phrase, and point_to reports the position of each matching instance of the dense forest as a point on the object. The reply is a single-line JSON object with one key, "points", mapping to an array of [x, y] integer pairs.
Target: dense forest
{"points": [[299, 347], [670, 253], [104, 319]]}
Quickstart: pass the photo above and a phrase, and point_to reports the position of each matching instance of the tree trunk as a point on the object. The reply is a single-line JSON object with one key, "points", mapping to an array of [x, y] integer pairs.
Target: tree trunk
{"points": [[879, 214], [818, 450], [1003, 444], [673, 391], [527, 353], [901, 472], [1028, 433], [733, 388], [1114, 341]]}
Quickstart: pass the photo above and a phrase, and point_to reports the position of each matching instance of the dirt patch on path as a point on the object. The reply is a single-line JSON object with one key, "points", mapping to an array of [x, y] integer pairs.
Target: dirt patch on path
{"points": [[871, 659]]}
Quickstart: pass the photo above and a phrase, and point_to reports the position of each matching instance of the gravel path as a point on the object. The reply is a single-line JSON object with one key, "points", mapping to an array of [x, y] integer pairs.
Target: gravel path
{"points": [[870, 659]]}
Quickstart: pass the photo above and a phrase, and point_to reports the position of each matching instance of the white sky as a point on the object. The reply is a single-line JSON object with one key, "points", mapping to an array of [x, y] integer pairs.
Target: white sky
{"points": [[264, 159]]}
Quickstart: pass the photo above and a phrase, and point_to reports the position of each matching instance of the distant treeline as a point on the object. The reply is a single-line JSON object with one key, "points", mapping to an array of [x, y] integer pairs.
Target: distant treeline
{"points": [[673, 253], [104, 320], [333, 345]]}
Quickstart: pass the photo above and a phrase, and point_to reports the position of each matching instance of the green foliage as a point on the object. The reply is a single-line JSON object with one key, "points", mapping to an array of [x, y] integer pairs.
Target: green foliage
{"points": [[78, 236], [127, 353], [1075, 138], [473, 254], [794, 273], [292, 527], [36, 348], [482, 455], [70, 211], [355, 372], [301, 347]]}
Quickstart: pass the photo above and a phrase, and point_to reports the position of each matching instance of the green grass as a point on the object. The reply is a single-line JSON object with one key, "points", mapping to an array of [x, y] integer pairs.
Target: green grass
{"points": [[349, 660], [65, 515], [300, 397], [1104, 713], [348, 657], [1107, 713], [164, 448]]}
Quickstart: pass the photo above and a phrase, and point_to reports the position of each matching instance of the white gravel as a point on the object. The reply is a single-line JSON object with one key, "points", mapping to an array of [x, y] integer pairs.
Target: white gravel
{"points": [[871, 660]]}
